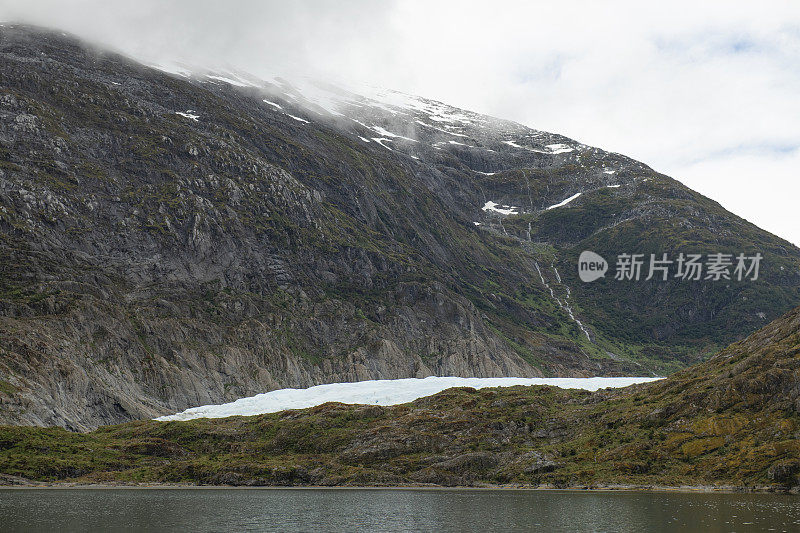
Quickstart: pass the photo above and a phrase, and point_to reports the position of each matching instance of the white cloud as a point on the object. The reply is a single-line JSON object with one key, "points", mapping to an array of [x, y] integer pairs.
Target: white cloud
{"points": [[703, 91], [761, 187]]}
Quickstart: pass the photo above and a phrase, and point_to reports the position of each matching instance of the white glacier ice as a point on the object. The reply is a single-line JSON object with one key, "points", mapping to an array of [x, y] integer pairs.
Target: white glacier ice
{"points": [[382, 392]]}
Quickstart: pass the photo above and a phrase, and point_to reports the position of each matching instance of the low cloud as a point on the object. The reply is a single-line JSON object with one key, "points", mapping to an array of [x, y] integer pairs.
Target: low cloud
{"points": [[703, 91]]}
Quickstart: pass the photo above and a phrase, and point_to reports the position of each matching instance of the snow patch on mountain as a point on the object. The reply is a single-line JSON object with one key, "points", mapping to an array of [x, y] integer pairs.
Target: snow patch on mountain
{"points": [[551, 149], [502, 209], [387, 133], [442, 130], [173, 68], [559, 148], [564, 202], [188, 114], [435, 111], [381, 140], [238, 82]]}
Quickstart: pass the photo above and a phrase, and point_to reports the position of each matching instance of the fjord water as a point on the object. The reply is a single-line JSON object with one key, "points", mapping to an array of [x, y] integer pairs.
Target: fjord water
{"points": [[225, 509]]}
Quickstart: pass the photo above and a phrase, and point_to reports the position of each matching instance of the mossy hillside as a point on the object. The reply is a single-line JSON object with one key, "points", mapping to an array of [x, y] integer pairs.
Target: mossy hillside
{"points": [[732, 421], [656, 215]]}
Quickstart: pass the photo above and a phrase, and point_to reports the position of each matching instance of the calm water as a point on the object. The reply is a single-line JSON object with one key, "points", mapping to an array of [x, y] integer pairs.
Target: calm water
{"points": [[389, 510]]}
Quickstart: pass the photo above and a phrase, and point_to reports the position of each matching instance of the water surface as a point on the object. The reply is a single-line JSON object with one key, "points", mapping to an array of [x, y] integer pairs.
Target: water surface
{"points": [[455, 510]]}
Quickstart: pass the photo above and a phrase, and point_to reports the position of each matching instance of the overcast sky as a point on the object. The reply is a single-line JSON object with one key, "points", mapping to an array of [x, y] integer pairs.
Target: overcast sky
{"points": [[707, 92]]}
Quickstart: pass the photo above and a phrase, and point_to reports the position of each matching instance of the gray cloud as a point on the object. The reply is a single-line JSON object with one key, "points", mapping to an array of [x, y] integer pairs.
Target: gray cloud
{"points": [[704, 91]]}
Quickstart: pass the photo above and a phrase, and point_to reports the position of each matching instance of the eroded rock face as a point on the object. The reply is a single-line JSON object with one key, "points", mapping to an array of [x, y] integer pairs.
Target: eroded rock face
{"points": [[168, 242], [193, 364]]}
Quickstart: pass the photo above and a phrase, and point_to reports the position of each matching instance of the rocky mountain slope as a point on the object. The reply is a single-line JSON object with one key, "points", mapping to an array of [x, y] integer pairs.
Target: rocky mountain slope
{"points": [[732, 421], [171, 239]]}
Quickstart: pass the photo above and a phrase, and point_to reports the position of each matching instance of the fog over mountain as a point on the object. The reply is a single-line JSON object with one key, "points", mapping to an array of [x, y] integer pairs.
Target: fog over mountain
{"points": [[703, 92]]}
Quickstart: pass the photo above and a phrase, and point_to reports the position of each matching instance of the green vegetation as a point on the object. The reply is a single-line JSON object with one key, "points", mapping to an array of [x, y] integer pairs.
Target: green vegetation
{"points": [[731, 421]]}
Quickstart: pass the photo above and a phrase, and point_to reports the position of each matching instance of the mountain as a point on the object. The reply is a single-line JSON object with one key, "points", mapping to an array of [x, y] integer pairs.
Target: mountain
{"points": [[733, 421], [173, 239]]}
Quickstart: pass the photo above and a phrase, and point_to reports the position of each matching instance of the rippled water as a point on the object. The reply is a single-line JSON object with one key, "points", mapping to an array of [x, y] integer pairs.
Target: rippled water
{"points": [[389, 510]]}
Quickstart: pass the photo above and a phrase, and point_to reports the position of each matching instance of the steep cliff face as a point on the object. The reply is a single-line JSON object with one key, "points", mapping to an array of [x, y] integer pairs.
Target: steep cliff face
{"points": [[169, 240]]}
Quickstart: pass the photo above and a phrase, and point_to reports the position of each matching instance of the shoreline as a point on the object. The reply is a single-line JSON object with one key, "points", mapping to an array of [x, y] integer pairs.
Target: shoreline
{"points": [[683, 489]]}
